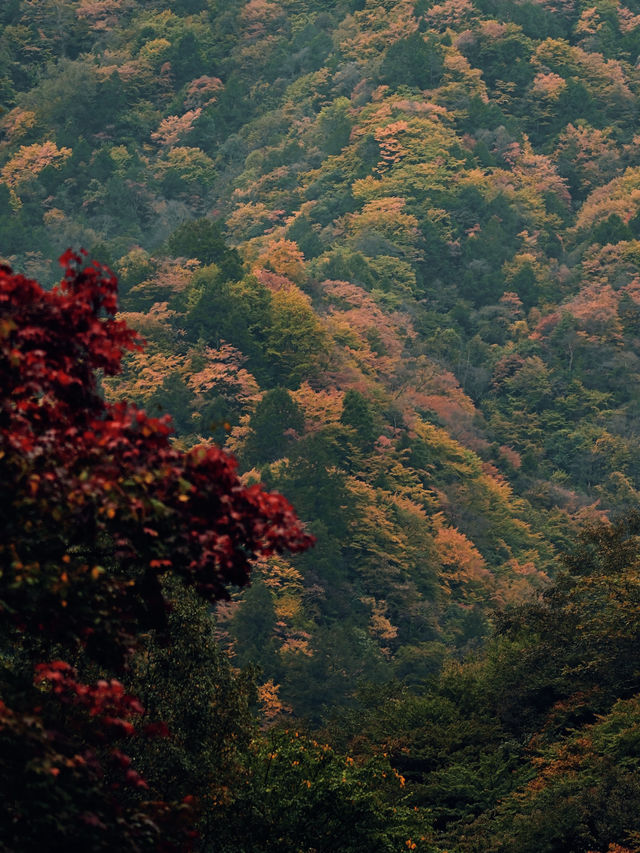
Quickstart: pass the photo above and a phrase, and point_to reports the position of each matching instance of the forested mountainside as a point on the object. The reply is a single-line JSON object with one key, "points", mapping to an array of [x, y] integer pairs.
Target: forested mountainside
{"points": [[386, 253]]}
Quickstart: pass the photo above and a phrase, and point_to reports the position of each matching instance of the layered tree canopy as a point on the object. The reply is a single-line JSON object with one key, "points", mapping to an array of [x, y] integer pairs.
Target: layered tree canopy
{"points": [[386, 255]]}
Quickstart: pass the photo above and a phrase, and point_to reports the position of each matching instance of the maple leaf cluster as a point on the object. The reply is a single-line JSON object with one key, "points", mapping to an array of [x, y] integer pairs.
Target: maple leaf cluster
{"points": [[124, 502]]}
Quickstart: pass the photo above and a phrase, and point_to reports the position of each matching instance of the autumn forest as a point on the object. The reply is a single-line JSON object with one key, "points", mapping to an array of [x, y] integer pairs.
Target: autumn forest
{"points": [[319, 470]]}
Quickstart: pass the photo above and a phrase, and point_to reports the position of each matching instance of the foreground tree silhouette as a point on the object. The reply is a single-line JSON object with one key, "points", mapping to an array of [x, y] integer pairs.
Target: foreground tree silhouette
{"points": [[99, 511]]}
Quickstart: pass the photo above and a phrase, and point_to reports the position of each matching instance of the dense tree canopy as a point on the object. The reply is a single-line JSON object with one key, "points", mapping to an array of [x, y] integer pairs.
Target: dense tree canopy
{"points": [[386, 254]]}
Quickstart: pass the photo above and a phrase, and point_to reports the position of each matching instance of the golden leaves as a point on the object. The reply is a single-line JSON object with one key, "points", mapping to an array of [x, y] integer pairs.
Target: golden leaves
{"points": [[391, 150], [321, 407], [284, 258], [380, 626], [173, 129], [548, 85], [16, 123], [465, 571], [30, 160], [272, 706], [620, 196]]}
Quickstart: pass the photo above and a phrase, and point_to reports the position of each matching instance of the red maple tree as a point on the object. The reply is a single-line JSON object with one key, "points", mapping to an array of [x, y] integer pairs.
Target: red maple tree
{"points": [[98, 511]]}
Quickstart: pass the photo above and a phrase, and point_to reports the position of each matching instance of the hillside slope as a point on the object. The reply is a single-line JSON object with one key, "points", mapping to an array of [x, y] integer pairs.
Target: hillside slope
{"points": [[386, 252]]}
